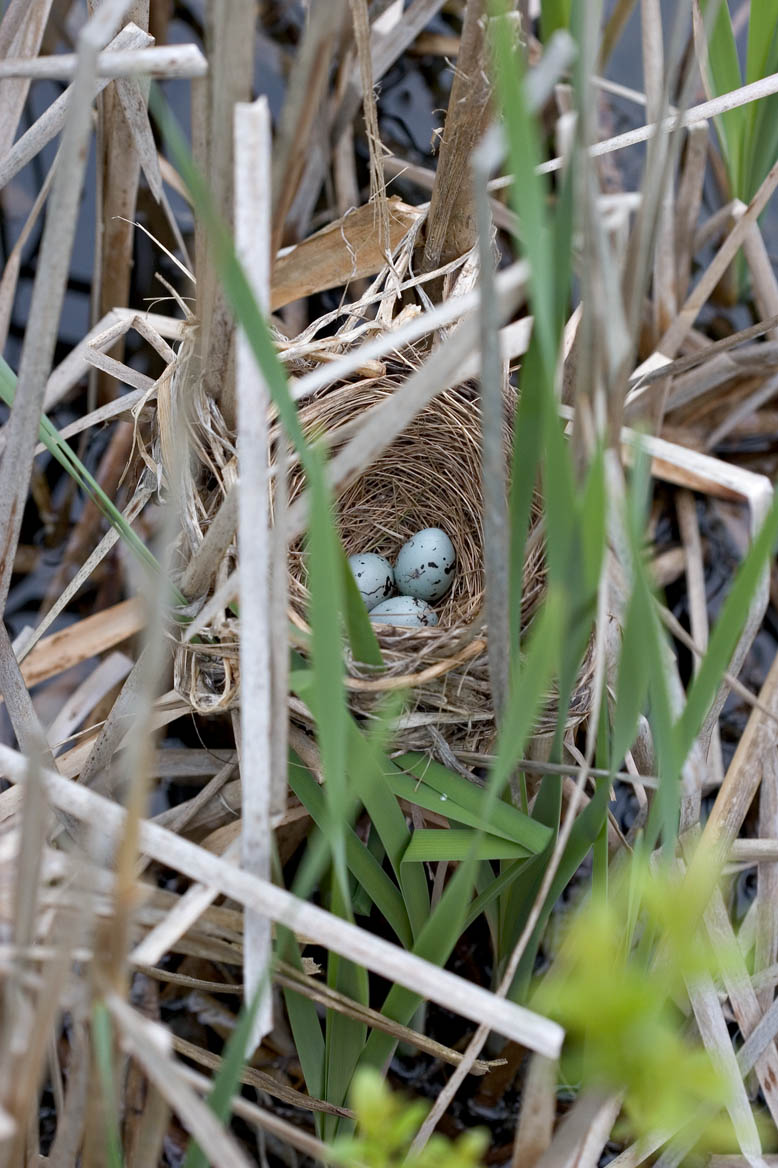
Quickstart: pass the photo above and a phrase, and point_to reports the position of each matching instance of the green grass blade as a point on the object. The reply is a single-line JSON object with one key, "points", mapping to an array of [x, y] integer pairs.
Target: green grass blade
{"points": [[344, 1038], [554, 14], [724, 69], [71, 463], [762, 146], [361, 862], [433, 845], [632, 686], [369, 771], [583, 836], [761, 61], [435, 943], [458, 795], [324, 612], [227, 1081], [761, 49], [303, 1020], [528, 690], [496, 887], [361, 634], [726, 631], [525, 467], [102, 1038], [529, 192]]}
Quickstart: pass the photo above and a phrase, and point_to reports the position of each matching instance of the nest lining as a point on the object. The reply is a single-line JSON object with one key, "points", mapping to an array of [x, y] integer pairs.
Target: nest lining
{"points": [[430, 476]]}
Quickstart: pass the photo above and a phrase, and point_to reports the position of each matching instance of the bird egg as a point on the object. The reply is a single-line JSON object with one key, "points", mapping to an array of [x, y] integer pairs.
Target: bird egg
{"points": [[424, 567], [374, 577], [404, 610]]}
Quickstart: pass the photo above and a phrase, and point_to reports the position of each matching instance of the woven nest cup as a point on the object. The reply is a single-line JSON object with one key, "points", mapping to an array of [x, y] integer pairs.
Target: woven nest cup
{"points": [[430, 476]]}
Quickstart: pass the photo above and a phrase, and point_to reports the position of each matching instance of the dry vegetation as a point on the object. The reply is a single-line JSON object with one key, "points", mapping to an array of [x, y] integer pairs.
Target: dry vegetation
{"points": [[180, 715]]}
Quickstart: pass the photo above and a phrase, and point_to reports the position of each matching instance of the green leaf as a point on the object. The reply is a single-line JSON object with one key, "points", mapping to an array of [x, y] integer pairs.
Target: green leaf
{"points": [[554, 14], [631, 691], [361, 634], [724, 69], [582, 837], [528, 691], [329, 707], [369, 772], [72, 464], [452, 796], [361, 862], [433, 845], [495, 887], [435, 943], [726, 631], [761, 61], [304, 1020], [102, 1038], [529, 191], [344, 1037], [228, 1076], [525, 465]]}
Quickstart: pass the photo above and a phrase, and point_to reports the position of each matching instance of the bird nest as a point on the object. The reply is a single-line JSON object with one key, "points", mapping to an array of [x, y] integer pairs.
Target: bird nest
{"points": [[429, 476]]}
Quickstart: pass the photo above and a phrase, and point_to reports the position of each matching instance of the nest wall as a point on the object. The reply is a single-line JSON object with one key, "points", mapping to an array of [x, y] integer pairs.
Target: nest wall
{"points": [[429, 476]]}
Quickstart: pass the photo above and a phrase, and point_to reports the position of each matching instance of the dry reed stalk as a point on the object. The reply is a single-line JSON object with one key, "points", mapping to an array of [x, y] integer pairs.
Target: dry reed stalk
{"points": [[712, 1026], [118, 173], [451, 225], [163, 61], [766, 941], [360, 19], [306, 93], [356, 944], [535, 1128], [49, 289], [21, 35], [695, 583], [252, 153], [57, 114]]}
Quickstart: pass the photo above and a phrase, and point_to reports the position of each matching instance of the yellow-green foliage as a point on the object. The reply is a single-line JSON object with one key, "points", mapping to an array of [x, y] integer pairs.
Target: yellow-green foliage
{"points": [[386, 1126], [626, 958]]}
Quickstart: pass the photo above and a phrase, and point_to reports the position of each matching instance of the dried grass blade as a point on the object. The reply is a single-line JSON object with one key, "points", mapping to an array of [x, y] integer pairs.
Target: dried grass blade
{"points": [[350, 941], [713, 1030], [734, 99], [252, 240], [149, 1044], [163, 61], [493, 469], [261, 1080], [111, 671], [536, 1117], [305, 95], [55, 117], [345, 250], [48, 292], [766, 941], [23, 41]]}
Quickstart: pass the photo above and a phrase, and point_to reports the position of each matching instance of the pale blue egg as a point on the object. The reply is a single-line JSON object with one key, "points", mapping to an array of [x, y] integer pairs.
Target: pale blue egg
{"points": [[425, 565], [404, 610], [374, 577]]}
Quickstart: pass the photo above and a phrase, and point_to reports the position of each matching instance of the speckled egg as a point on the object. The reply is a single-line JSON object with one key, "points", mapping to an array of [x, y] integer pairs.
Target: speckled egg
{"points": [[404, 610], [425, 565], [374, 577]]}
